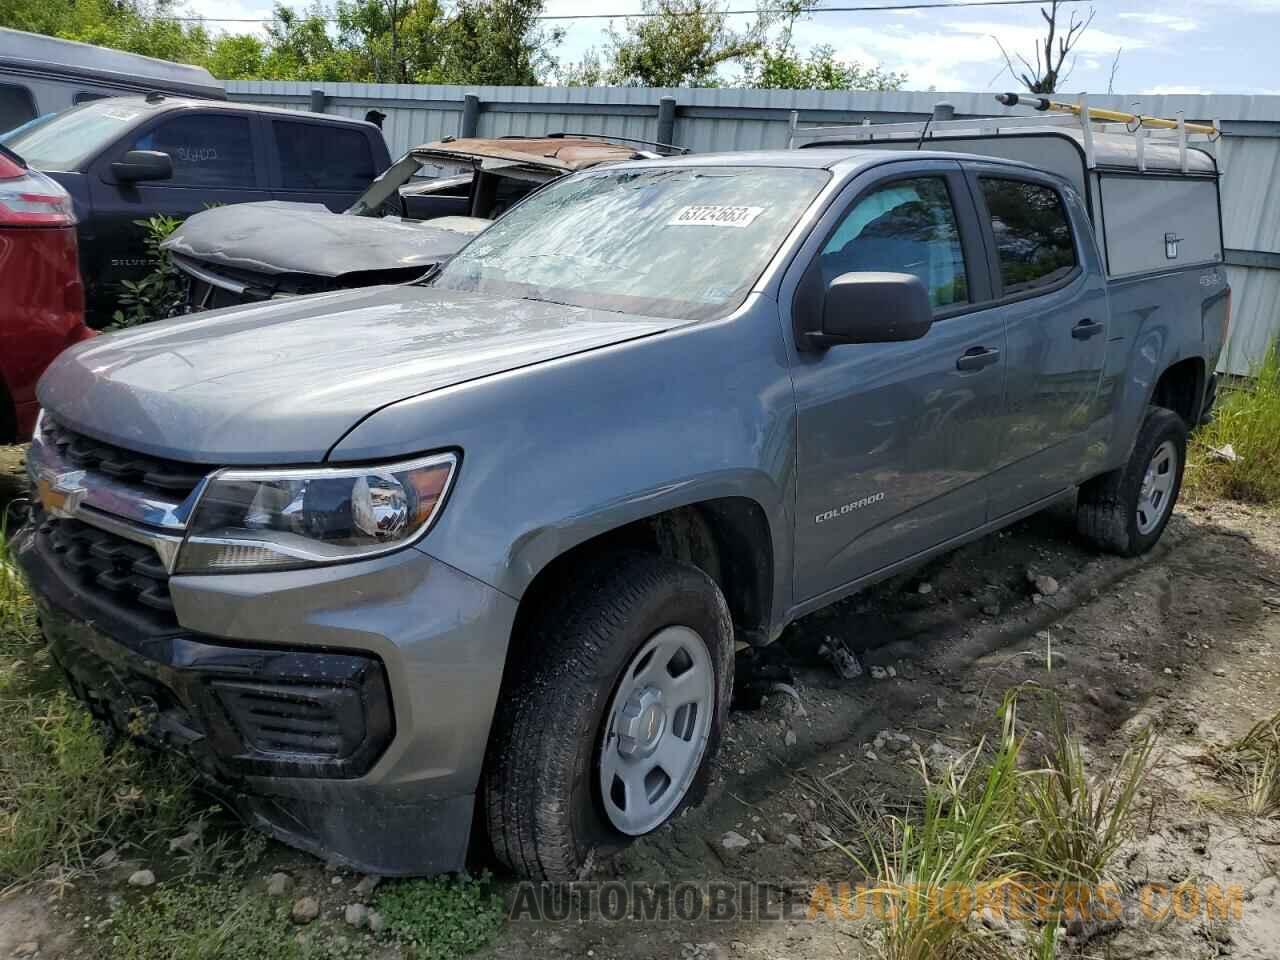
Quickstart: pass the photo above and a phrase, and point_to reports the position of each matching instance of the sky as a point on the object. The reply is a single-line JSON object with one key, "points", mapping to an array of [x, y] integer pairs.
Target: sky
{"points": [[1164, 46]]}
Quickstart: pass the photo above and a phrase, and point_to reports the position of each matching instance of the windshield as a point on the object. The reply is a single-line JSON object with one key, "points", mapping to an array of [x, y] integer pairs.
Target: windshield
{"points": [[63, 141], [684, 242], [30, 124]]}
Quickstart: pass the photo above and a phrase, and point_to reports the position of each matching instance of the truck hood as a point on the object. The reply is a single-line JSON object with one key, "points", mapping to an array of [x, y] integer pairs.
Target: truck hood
{"points": [[277, 237], [282, 382]]}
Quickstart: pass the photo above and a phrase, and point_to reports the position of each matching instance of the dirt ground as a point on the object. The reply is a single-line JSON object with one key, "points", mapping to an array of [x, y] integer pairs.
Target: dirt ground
{"points": [[1186, 639]]}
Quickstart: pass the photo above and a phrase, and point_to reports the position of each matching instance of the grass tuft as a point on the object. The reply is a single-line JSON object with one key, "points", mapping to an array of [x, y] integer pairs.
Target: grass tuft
{"points": [[999, 834], [1079, 821], [1252, 766], [1247, 417], [441, 918], [964, 839], [201, 921], [64, 798]]}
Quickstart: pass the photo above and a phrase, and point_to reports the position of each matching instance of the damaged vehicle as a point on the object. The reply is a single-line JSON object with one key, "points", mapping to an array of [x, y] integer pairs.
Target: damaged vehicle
{"points": [[430, 203], [386, 564]]}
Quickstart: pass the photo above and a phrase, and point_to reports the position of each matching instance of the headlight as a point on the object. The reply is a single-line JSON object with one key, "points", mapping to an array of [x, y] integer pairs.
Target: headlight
{"points": [[274, 519]]}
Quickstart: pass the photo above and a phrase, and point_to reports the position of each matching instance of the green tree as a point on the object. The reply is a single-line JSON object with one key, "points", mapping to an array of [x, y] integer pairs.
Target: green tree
{"points": [[135, 25], [817, 70], [780, 66], [493, 42], [237, 56], [682, 43], [686, 42], [468, 41]]}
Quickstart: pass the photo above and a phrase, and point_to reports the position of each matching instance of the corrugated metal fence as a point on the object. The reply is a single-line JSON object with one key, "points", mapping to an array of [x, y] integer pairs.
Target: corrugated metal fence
{"points": [[707, 120]]}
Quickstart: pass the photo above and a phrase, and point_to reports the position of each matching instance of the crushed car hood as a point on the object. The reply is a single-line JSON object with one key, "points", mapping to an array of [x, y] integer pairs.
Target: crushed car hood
{"points": [[282, 382], [277, 237]]}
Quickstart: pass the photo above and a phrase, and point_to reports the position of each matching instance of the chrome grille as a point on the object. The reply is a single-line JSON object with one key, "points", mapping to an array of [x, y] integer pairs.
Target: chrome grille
{"points": [[167, 477], [111, 568]]}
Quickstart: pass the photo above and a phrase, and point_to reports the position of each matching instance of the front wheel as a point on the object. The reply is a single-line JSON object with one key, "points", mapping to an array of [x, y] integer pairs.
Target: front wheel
{"points": [[1125, 511], [611, 716]]}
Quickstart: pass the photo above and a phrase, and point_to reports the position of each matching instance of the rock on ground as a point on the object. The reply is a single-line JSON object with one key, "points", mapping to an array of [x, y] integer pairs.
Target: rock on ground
{"points": [[305, 909], [278, 884], [734, 841]]}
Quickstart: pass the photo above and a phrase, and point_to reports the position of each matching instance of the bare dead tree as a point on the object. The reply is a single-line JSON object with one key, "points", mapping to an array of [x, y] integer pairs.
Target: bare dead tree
{"points": [[1115, 65], [1051, 53]]}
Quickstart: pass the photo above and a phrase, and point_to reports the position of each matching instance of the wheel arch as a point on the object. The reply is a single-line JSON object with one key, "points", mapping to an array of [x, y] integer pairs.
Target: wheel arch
{"points": [[1181, 388], [728, 538]]}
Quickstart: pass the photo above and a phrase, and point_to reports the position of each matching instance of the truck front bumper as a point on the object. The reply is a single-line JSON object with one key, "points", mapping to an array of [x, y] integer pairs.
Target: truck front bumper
{"points": [[344, 710]]}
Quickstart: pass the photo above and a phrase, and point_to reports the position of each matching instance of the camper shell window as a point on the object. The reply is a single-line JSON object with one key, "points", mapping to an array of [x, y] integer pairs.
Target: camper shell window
{"points": [[1149, 214]]}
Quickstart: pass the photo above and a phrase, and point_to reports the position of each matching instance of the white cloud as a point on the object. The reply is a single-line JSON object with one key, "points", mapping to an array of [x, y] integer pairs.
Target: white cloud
{"points": [[1163, 21], [1170, 89], [956, 55], [235, 10]]}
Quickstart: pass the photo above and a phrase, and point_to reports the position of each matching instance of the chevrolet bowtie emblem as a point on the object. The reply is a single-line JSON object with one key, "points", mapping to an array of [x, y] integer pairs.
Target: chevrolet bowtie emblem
{"points": [[60, 493]]}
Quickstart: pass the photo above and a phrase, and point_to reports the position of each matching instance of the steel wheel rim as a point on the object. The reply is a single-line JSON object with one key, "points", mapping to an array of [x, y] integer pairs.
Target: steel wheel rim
{"points": [[1155, 498], [656, 730]]}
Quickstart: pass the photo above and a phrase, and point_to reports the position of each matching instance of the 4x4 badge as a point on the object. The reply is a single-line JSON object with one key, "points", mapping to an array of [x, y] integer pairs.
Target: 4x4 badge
{"points": [[60, 493]]}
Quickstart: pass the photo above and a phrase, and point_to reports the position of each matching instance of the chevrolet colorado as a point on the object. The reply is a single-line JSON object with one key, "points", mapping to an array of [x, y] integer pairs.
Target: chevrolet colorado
{"points": [[385, 560]]}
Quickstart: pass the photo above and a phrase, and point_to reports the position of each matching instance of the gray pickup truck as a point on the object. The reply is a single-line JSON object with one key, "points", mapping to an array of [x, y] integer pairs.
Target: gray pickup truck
{"points": [[382, 562]]}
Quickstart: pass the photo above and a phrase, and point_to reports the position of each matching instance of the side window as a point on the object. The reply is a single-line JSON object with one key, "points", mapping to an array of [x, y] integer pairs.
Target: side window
{"points": [[322, 156], [207, 150], [1033, 234], [16, 106], [908, 226], [84, 96]]}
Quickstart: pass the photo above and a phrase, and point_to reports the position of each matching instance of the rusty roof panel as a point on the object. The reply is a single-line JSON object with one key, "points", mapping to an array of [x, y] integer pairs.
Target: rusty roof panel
{"points": [[560, 153]]}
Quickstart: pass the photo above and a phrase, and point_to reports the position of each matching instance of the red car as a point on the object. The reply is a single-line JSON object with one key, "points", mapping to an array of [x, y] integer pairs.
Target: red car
{"points": [[41, 297]]}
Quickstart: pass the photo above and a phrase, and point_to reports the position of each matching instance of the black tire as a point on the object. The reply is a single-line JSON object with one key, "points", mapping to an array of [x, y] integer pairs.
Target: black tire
{"points": [[1107, 513], [542, 802]]}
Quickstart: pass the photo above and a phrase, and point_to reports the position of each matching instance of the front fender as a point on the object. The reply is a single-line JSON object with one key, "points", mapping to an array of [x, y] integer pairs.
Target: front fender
{"points": [[557, 453]]}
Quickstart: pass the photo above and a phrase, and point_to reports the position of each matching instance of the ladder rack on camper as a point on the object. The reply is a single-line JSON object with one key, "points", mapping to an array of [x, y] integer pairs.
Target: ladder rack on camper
{"points": [[1078, 116]]}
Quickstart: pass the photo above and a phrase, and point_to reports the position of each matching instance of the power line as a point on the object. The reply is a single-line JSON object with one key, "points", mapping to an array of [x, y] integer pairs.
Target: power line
{"points": [[643, 14], [879, 8]]}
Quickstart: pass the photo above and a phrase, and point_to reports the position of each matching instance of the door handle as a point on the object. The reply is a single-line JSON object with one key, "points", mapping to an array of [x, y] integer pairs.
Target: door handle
{"points": [[976, 358], [1086, 328]]}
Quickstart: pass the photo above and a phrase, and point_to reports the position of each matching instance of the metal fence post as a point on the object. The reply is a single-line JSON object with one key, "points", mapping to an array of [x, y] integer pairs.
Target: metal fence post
{"points": [[470, 116], [667, 120], [318, 99]]}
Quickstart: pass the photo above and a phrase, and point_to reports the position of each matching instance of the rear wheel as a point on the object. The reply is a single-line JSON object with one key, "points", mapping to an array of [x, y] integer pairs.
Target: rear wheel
{"points": [[611, 716], [1125, 511]]}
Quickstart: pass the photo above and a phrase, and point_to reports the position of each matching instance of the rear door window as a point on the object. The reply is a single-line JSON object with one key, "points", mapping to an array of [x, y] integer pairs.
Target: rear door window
{"points": [[315, 156], [16, 106], [208, 150], [907, 226], [1034, 243]]}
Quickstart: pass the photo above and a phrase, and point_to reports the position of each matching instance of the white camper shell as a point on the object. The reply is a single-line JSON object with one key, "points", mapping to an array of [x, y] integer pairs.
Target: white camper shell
{"points": [[1153, 194]]}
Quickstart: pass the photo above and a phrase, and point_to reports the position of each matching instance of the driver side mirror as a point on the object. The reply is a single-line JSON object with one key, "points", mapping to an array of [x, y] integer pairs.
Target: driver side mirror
{"points": [[873, 308], [138, 165]]}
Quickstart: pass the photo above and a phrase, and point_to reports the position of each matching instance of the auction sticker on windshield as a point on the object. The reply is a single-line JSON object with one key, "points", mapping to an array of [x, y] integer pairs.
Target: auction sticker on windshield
{"points": [[714, 215]]}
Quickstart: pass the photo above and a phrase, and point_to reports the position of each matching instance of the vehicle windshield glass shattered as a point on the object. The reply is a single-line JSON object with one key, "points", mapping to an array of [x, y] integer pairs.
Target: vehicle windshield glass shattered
{"points": [[64, 140], [686, 243]]}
